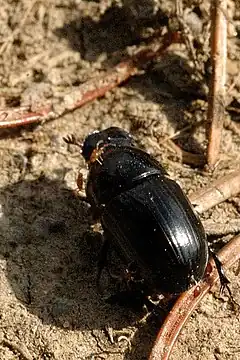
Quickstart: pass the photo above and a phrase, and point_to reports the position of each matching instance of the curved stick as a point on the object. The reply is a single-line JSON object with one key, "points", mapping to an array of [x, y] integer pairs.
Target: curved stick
{"points": [[188, 301], [90, 90], [219, 191]]}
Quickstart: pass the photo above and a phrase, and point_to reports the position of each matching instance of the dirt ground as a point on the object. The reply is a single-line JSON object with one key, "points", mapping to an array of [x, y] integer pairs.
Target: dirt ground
{"points": [[49, 305]]}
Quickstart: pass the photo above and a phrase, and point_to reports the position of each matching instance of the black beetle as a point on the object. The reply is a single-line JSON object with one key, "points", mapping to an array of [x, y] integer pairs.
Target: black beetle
{"points": [[144, 214]]}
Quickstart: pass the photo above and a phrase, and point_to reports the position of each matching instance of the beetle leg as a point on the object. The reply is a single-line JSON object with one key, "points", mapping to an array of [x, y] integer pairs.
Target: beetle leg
{"points": [[96, 211], [132, 278], [72, 140], [133, 295], [223, 278], [102, 261]]}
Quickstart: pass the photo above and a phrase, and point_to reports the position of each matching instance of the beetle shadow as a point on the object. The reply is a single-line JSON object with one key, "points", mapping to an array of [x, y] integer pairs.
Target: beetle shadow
{"points": [[169, 82], [117, 28], [51, 268]]}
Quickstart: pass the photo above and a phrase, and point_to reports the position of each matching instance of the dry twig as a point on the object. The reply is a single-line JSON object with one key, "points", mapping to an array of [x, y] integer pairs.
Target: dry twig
{"points": [[90, 90], [13, 117], [220, 190], [216, 101]]}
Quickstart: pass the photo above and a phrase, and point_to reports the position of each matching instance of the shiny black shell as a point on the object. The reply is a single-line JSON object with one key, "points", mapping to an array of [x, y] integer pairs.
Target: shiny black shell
{"points": [[147, 218]]}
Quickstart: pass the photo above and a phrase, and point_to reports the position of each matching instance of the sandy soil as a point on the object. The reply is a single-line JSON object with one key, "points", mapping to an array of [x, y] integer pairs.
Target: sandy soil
{"points": [[49, 305]]}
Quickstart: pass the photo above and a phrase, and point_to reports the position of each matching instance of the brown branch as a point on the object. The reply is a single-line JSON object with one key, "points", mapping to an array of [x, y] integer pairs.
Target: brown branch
{"points": [[188, 301], [216, 101], [90, 90], [13, 117], [219, 191]]}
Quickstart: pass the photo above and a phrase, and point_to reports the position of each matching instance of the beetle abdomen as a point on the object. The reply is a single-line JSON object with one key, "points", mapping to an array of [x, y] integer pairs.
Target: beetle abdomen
{"points": [[154, 225]]}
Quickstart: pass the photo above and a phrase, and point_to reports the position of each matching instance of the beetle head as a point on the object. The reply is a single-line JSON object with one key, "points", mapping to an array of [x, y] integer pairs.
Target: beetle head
{"points": [[112, 136]]}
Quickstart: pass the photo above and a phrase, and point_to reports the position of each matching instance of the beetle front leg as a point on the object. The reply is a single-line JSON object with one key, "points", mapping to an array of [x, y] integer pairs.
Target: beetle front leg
{"points": [[223, 278], [93, 238]]}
